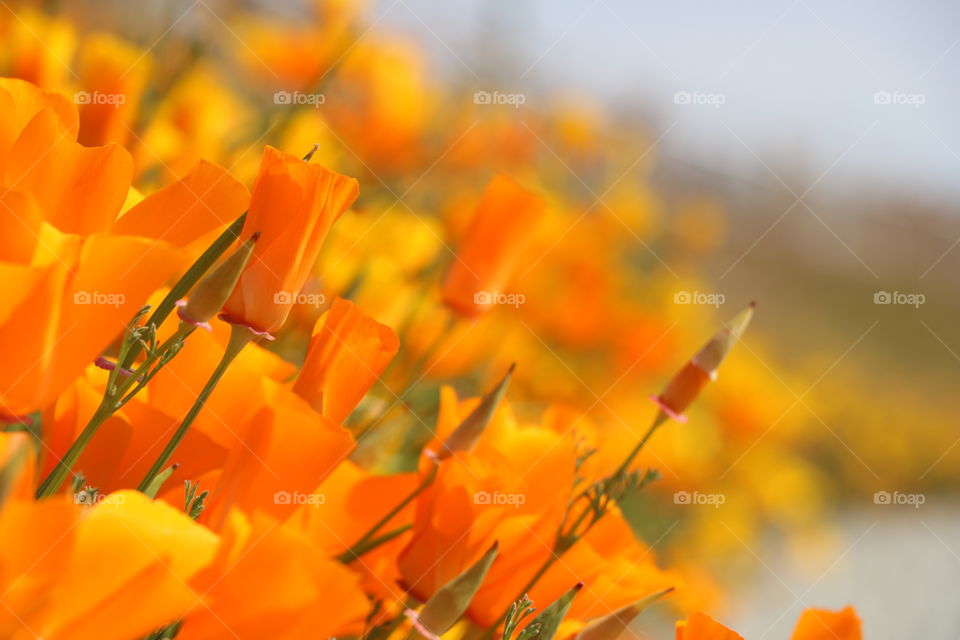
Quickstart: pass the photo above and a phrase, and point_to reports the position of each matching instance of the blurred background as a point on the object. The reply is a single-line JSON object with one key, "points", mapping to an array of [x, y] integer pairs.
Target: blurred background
{"points": [[801, 153]]}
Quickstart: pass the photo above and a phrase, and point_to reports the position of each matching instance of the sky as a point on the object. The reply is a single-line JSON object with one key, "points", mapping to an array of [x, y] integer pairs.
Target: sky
{"points": [[857, 92]]}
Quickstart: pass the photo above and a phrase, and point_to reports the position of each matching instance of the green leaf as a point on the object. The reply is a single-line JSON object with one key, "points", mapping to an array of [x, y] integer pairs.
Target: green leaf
{"points": [[469, 431], [449, 602], [550, 618]]}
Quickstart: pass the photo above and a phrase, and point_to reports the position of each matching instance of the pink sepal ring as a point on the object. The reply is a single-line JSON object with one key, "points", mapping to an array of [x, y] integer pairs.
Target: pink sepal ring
{"points": [[181, 305], [266, 335], [679, 417], [415, 621]]}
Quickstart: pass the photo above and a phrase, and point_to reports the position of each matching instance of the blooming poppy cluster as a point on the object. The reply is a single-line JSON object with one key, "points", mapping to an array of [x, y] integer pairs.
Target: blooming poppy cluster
{"points": [[243, 399]]}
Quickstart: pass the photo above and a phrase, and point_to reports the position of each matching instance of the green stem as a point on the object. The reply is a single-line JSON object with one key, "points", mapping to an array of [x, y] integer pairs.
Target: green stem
{"points": [[190, 278], [358, 550], [239, 337], [362, 545], [108, 405], [659, 420], [51, 484], [566, 540]]}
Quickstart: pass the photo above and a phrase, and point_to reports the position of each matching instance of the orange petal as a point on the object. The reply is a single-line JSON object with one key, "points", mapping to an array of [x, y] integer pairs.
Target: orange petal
{"points": [[281, 457], [496, 239], [699, 626], [79, 189], [73, 313], [293, 206], [347, 354], [204, 201], [823, 624]]}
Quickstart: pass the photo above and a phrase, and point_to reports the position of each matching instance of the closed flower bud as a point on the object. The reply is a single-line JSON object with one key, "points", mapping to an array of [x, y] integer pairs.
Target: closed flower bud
{"points": [[212, 292], [702, 368]]}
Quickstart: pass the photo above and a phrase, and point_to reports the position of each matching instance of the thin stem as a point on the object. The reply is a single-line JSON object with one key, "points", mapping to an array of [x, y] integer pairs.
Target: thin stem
{"points": [[358, 550], [659, 420], [239, 337], [107, 407], [51, 484], [566, 540], [190, 278], [362, 545]]}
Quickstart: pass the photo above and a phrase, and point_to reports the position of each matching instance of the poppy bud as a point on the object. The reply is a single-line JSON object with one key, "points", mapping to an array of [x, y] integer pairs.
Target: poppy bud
{"points": [[702, 368], [212, 292]]}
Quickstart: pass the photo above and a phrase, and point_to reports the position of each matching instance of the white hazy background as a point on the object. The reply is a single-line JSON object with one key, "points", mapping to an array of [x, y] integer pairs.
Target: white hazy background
{"points": [[798, 77]]}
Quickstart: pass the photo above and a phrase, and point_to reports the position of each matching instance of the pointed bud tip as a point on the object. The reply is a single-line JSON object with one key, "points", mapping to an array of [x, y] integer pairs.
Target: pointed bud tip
{"points": [[752, 305], [495, 546], [512, 368], [175, 466], [255, 236], [578, 586]]}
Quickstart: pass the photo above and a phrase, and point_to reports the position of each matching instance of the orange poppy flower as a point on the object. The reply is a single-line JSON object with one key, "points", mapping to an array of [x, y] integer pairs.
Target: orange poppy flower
{"points": [[55, 550], [113, 75], [79, 189], [494, 242], [822, 624], [512, 488], [350, 502], [269, 581], [814, 624], [347, 354], [293, 205], [60, 316], [279, 458], [699, 626]]}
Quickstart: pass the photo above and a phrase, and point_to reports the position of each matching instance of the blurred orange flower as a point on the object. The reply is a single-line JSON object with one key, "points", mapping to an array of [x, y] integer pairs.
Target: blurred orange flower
{"points": [[492, 245]]}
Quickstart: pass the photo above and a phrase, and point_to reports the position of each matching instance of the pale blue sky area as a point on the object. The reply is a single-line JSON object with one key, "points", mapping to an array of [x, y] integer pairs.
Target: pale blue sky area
{"points": [[797, 78]]}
